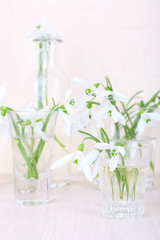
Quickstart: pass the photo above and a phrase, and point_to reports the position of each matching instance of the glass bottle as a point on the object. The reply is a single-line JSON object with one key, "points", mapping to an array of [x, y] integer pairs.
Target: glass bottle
{"points": [[46, 84]]}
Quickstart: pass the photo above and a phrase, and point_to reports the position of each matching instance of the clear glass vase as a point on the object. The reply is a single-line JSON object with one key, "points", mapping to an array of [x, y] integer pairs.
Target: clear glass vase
{"points": [[32, 146], [45, 83], [123, 190], [150, 135]]}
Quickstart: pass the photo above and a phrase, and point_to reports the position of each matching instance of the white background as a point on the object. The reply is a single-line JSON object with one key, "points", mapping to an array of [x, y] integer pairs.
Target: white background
{"points": [[118, 38]]}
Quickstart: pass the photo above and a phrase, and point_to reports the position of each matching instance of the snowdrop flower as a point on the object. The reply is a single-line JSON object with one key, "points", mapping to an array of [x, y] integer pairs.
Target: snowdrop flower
{"points": [[71, 123], [4, 130], [43, 30], [107, 109], [146, 119], [73, 116], [32, 116], [90, 89], [111, 96], [30, 113], [84, 162], [73, 105], [114, 152], [2, 93]]}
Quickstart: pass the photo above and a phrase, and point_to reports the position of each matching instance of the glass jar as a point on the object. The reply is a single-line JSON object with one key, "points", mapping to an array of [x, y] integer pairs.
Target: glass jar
{"points": [[150, 134], [32, 147], [123, 190]]}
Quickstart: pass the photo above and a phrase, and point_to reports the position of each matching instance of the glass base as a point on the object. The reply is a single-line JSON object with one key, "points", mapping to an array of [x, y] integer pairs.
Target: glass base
{"points": [[60, 177], [150, 183], [60, 183], [124, 211], [31, 192], [31, 203], [96, 182]]}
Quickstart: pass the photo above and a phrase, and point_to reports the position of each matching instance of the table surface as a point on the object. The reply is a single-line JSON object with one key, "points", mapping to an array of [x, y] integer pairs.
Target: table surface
{"points": [[74, 214]]}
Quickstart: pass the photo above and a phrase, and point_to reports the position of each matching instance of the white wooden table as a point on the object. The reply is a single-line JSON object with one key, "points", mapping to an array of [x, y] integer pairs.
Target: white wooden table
{"points": [[74, 214]]}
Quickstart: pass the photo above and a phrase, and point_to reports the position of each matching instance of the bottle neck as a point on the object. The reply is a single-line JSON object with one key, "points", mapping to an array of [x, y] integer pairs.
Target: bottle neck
{"points": [[47, 51]]}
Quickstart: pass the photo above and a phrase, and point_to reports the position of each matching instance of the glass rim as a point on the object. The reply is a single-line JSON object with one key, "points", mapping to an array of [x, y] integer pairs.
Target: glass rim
{"points": [[138, 108], [36, 110], [144, 145], [48, 39]]}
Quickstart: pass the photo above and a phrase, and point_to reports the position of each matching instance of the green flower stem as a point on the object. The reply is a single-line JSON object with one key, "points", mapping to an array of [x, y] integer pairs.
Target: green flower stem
{"points": [[124, 177], [32, 140], [46, 87], [27, 160], [42, 142], [24, 137], [40, 82], [117, 131], [21, 148], [60, 144], [126, 112]]}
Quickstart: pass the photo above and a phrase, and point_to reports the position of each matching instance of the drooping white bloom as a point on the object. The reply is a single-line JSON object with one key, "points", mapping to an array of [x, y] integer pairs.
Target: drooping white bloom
{"points": [[4, 130], [35, 116], [76, 118], [84, 162], [43, 30], [71, 123], [146, 119], [80, 81], [107, 109], [89, 89], [113, 95], [2, 93], [114, 152], [62, 161], [30, 113]]}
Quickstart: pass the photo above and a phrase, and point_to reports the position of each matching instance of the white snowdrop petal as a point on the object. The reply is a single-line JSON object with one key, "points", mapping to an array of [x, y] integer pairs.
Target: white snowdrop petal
{"points": [[141, 126], [92, 156], [62, 161], [121, 150], [2, 93], [4, 130], [113, 163], [68, 95], [101, 115], [80, 81], [154, 116], [96, 167], [86, 169], [119, 96], [102, 146], [40, 133]]}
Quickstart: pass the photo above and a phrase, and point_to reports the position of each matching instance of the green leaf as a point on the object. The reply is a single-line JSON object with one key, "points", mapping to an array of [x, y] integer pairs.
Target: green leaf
{"points": [[104, 135], [90, 135], [152, 98], [108, 83], [134, 95], [152, 166]]}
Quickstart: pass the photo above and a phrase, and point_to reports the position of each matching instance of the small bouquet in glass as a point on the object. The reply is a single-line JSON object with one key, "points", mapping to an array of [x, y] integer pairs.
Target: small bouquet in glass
{"points": [[32, 133], [121, 163]]}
